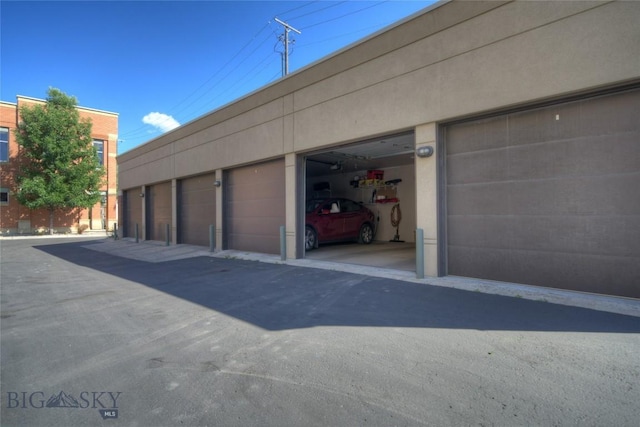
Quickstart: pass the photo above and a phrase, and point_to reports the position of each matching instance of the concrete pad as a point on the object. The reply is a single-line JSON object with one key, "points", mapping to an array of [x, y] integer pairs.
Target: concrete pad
{"points": [[153, 251]]}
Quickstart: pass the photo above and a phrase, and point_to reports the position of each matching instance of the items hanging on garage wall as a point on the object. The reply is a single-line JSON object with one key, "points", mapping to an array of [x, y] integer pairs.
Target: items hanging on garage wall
{"points": [[396, 217], [383, 191]]}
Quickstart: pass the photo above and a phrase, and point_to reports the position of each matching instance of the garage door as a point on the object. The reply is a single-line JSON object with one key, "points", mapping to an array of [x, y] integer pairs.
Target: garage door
{"points": [[254, 207], [548, 196], [158, 213], [132, 212], [196, 209]]}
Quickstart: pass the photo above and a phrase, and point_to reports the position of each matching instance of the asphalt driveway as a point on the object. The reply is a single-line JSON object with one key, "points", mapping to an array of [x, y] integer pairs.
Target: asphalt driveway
{"points": [[89, 338]]}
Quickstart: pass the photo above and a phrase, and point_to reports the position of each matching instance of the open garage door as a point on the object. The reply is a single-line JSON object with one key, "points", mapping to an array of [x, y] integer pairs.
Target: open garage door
{"points": [[158, 211], [548, 196], [379, 176], [196, 209], [132, 212], [254, 207]]}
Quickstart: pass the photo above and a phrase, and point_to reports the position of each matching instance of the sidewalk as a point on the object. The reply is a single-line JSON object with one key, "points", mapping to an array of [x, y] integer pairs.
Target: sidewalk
{"points": [[89, 233], [154, 252]]}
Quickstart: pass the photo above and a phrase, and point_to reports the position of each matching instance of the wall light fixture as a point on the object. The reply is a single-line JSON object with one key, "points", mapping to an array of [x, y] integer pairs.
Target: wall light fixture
{"points": [[424, 151]]}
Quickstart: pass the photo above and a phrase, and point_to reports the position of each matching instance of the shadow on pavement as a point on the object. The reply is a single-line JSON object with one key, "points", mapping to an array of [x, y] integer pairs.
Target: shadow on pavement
{"points": [[279, 297]]}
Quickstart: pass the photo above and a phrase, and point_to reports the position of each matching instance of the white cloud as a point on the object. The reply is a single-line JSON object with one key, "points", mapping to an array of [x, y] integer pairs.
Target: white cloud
{"points": [[161, 121]]}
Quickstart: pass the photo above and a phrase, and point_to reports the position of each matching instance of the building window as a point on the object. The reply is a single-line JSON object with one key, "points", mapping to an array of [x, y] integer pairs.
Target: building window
{"points": [[4, 196], [4, 144], [99, 145]]}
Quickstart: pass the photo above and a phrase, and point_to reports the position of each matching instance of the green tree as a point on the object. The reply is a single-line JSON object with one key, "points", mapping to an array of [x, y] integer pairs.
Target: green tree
{"points": [[59, 167]]}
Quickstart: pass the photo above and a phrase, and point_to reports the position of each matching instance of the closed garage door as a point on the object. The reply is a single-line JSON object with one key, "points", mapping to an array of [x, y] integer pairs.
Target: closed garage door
{"points": [[197, 209], [132, 212], [254, 207], [548, 196], [158, 201]]}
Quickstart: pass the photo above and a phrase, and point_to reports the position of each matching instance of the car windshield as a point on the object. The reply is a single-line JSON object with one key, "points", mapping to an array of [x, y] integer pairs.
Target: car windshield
{"points": [[313, 204]]}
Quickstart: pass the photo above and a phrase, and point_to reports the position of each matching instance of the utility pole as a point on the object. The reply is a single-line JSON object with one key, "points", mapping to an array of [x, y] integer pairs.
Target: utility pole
{"points": [[285, 40]]}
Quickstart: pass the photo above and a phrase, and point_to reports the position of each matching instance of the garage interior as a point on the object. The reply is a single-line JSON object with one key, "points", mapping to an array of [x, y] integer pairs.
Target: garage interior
{"points": [[347, 172]]}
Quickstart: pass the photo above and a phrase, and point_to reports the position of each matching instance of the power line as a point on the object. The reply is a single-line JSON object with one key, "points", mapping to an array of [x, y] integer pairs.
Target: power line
{"points": [[230, 71], [337, 36], [298, 7], [342, 16], [252, 72], [143, 128], [226, 64], [247, 74], [317, 10]]}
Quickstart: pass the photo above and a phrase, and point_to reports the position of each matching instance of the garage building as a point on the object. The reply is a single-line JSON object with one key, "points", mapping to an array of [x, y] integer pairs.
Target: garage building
{"points": [[508, 133]]}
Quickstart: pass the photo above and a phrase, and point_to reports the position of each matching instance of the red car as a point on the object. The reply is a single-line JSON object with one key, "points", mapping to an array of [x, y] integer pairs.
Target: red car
{"points": [[336, 219]]}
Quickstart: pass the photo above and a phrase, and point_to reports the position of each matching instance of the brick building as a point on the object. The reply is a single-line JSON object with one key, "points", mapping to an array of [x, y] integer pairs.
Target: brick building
{"points": [[17, 219]]}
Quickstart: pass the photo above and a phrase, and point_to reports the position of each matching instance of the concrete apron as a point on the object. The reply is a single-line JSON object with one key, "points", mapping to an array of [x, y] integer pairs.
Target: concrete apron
{"points": [[155, 251]]}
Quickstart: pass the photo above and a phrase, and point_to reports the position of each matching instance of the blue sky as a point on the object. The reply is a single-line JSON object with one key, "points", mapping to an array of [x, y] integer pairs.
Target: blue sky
{"points": [[163, 63]]}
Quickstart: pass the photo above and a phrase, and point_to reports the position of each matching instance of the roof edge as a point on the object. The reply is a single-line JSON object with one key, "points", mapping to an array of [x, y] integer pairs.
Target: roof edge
{"points": [[30, 98]]}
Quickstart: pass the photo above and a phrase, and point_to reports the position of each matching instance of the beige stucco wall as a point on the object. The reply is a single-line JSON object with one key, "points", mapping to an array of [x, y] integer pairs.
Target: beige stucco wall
{"points": [[427, 196], [290, 208], [514, 53], [454, 60]]}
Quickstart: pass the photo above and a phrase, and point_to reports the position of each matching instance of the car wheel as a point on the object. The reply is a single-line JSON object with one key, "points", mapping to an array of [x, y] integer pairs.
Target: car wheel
{"points": [[310, 238], [366, 234]]}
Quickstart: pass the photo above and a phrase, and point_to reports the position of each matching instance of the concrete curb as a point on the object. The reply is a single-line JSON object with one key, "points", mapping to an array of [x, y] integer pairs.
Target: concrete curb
{"points": [[153, 251]]}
